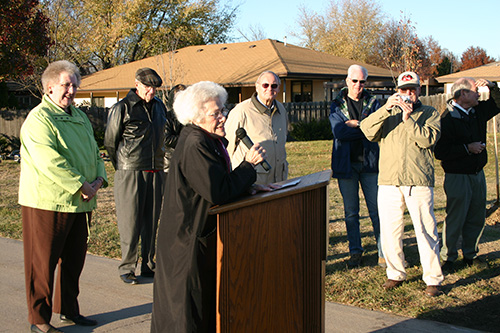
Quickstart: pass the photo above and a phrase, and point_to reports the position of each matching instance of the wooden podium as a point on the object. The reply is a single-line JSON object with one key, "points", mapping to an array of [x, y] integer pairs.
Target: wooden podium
{"points": [[271, 254]]}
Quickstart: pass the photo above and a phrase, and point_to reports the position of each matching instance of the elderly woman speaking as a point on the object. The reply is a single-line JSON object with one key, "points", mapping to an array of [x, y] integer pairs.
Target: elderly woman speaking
{"points": [[61, 171], [200, 176]]}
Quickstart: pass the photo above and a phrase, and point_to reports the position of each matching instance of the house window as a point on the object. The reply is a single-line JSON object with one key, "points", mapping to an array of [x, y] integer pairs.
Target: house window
{"points": [[301, 91], [98, 101]]}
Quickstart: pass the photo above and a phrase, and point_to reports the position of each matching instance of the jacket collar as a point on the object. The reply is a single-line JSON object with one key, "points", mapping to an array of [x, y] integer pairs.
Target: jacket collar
{"points": [[261, 107], [57, 110], [133, 98], [208, 134], [455, 111], [367, 98]]}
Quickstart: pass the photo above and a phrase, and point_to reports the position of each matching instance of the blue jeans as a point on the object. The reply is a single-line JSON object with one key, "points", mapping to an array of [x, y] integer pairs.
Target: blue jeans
{"points": [[349, 188]]}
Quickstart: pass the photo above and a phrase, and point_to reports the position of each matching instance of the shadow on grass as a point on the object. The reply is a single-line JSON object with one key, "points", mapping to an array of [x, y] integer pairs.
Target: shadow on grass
{"points": [[479, 315]]}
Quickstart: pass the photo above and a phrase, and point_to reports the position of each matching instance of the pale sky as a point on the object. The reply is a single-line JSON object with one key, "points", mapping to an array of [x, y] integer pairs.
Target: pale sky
{"points": [[444, 20]]}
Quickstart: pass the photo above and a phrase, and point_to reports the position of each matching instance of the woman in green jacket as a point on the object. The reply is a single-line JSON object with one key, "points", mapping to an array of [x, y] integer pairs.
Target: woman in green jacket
{"points": [[61, 172]]}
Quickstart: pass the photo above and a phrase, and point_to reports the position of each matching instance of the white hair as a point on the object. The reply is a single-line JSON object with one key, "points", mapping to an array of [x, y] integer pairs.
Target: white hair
{"points": [[54, 70], [269, 72], [352, 68], [189, 103]]}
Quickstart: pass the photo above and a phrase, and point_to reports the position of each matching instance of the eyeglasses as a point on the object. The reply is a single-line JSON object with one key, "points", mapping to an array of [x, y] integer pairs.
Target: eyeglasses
{"points": [[266, 85], [69, 85], [356, 81], [219, 114]]}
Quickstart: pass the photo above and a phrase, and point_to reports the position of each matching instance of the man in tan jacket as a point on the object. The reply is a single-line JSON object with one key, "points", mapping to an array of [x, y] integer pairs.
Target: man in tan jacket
{"points": [[265, 121], [407, 132]]}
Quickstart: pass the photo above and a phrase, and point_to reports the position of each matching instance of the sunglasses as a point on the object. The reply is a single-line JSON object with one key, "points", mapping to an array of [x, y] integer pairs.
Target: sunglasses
{"points": [[266, 85], [360, 81]]}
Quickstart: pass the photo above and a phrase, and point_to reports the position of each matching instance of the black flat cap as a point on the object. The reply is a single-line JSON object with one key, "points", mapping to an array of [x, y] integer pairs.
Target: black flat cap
{"points": [[148, 77]]}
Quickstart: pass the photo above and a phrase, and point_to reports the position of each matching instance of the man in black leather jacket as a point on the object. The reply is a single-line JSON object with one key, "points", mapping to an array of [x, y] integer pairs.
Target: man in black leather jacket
{"points": [[135, 141]]}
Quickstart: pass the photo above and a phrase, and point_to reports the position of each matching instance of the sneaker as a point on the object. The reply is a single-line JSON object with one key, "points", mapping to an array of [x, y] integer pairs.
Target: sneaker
{"points": [[354, 260], [129, 278], [382, 263], [476, 262]]}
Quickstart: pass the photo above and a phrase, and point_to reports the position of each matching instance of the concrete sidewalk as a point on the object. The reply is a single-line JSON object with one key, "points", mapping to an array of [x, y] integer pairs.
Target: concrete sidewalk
{"points": [[122, 308]]}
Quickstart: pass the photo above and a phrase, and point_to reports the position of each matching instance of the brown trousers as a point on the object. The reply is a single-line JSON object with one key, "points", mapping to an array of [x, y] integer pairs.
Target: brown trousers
{"points": [[53, 239]]}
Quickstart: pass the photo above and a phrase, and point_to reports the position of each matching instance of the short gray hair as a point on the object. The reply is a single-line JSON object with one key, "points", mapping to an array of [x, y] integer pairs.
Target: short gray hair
{"points": [[189, 103], [269, 72], [54, 70], [464, 83], [357, 67]]}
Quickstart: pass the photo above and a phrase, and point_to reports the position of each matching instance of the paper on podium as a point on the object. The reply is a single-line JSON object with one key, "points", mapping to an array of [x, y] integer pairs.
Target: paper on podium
{"points": [[286, 183]]}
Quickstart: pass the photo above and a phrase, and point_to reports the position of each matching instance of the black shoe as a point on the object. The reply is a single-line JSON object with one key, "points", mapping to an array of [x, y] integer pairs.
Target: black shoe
{"points": [[447, 267], [476, 262], [52, 329], [78, 320], [129, 278], [147, 272], [355, 260]]}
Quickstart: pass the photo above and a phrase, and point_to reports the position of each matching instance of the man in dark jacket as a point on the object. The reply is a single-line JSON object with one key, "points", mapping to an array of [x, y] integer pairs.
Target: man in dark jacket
{"points": [[172, 127], [355, 159], [462, 152], [135, 141]]}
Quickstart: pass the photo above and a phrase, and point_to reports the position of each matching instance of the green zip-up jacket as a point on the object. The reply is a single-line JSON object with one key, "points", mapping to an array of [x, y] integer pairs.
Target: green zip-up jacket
{"points": [[406, 148], [58, 154]]}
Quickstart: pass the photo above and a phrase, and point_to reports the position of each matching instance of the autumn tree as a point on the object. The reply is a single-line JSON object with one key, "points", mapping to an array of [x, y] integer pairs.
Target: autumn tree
{"points": [[23, 37], [474, 57], [349, 28], [312, 28], [255, 32], [431, 54], [98, 34], [399, 47]]}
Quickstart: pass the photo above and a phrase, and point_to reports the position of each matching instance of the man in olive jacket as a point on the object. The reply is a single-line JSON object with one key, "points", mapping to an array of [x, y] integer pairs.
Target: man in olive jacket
{"points": [[462, 152], [407, 132], [135, 141]]}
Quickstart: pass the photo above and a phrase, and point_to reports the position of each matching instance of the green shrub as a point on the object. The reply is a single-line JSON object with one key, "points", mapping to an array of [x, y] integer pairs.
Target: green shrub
{"points": [[99, 138], [312, 131]]}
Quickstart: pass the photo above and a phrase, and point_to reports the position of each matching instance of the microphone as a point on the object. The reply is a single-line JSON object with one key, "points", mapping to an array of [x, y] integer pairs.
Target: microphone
{"points": [[242, 135]]}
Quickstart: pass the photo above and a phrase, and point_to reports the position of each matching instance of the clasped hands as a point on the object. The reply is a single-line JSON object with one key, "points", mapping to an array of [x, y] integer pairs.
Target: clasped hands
{"points": [[89, 190]]}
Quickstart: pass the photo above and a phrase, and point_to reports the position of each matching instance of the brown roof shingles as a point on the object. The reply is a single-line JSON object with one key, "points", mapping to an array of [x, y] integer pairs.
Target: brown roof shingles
{"points": [[489, 72], [234, 64]]}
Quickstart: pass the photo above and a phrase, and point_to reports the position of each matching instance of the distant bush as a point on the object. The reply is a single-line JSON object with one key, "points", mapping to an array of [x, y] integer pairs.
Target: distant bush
{"points": [[99, 137], [311, 131], [8, 144]]}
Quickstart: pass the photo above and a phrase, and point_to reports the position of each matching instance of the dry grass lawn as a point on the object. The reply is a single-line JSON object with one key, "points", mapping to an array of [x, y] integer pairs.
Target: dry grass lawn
{"points": [[472, 296]]}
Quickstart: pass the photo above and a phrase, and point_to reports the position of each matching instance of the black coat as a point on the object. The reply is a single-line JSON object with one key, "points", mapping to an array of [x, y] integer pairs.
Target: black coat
{"points": [[458, 130], [184, 285], [135, 138]]}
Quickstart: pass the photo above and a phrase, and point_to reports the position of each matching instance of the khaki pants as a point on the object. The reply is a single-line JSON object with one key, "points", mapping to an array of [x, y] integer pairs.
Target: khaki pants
{"points": [[53, 239], [419, 200]]}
